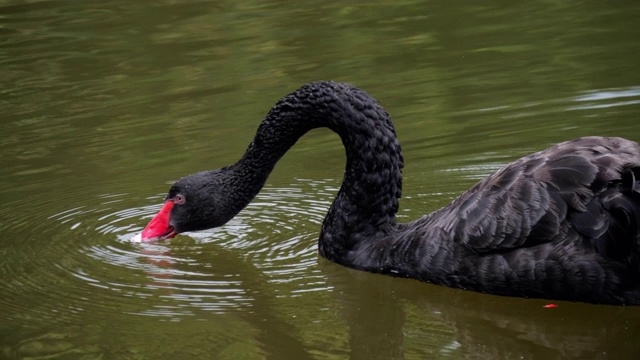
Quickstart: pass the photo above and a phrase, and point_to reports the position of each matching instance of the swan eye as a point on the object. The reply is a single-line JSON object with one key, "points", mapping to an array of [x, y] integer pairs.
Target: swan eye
{"points": [[178, 199]]}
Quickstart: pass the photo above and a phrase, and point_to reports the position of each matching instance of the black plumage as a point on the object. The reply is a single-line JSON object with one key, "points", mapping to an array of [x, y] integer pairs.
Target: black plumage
{"points": [[562, 223]]}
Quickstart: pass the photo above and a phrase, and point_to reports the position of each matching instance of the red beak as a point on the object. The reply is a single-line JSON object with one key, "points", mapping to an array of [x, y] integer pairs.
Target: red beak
{"points": [[158, 227]]}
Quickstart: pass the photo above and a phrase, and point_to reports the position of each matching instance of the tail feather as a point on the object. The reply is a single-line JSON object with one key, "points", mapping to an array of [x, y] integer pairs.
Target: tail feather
{"points": [[622, 238], [611, 220]]}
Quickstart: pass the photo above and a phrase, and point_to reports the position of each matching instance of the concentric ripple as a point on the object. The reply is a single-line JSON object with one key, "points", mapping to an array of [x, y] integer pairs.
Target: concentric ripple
{"points": [[97, 268]]}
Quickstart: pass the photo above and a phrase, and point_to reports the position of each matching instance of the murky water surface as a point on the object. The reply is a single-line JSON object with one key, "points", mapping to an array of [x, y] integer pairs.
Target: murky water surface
{"points": [[105, 103]]}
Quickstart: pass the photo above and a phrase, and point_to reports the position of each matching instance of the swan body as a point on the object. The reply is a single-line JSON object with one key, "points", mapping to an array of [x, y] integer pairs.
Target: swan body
{"points": [[562, 223]]}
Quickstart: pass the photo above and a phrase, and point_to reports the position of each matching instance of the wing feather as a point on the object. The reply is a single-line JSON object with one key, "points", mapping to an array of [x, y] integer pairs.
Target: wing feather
{"points": [[587, 185]]}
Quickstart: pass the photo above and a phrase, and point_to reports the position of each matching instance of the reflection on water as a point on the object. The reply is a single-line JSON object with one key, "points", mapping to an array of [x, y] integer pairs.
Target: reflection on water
{"points": [[608, 98], [105, 104], [184, 278], [187, 275]]}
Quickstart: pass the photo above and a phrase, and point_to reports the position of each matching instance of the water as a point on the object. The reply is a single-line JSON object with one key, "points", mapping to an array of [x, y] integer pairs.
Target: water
{"points": [[106, 103]]}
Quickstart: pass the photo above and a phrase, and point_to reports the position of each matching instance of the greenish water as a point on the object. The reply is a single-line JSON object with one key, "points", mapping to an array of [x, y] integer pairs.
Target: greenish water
{"points": [[106, 103]]}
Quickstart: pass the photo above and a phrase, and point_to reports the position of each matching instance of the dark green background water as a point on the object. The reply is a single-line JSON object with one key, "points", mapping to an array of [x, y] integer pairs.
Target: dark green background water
{"points": [[105, 103]]}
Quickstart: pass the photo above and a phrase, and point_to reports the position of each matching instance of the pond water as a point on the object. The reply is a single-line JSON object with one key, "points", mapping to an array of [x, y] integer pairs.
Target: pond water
{"points": [[104, 104]]}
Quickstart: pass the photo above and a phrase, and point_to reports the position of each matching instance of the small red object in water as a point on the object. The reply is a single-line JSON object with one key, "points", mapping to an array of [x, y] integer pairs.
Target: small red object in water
{"points": [[550, 306]]}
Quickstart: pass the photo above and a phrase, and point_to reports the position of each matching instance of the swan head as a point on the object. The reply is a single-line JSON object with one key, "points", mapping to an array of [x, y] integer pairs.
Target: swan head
{"points": [[196, 202]]}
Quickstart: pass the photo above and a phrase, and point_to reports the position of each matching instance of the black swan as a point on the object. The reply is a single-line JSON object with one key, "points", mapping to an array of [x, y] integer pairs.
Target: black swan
{"points": [[563, 223]]}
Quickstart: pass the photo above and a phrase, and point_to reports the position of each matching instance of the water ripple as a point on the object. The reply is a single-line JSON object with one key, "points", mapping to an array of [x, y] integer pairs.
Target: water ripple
{"points": [[100, 271]]}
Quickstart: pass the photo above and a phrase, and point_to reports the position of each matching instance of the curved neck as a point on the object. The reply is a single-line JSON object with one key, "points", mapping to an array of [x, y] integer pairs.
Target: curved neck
{"points": [[367, 202]]}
